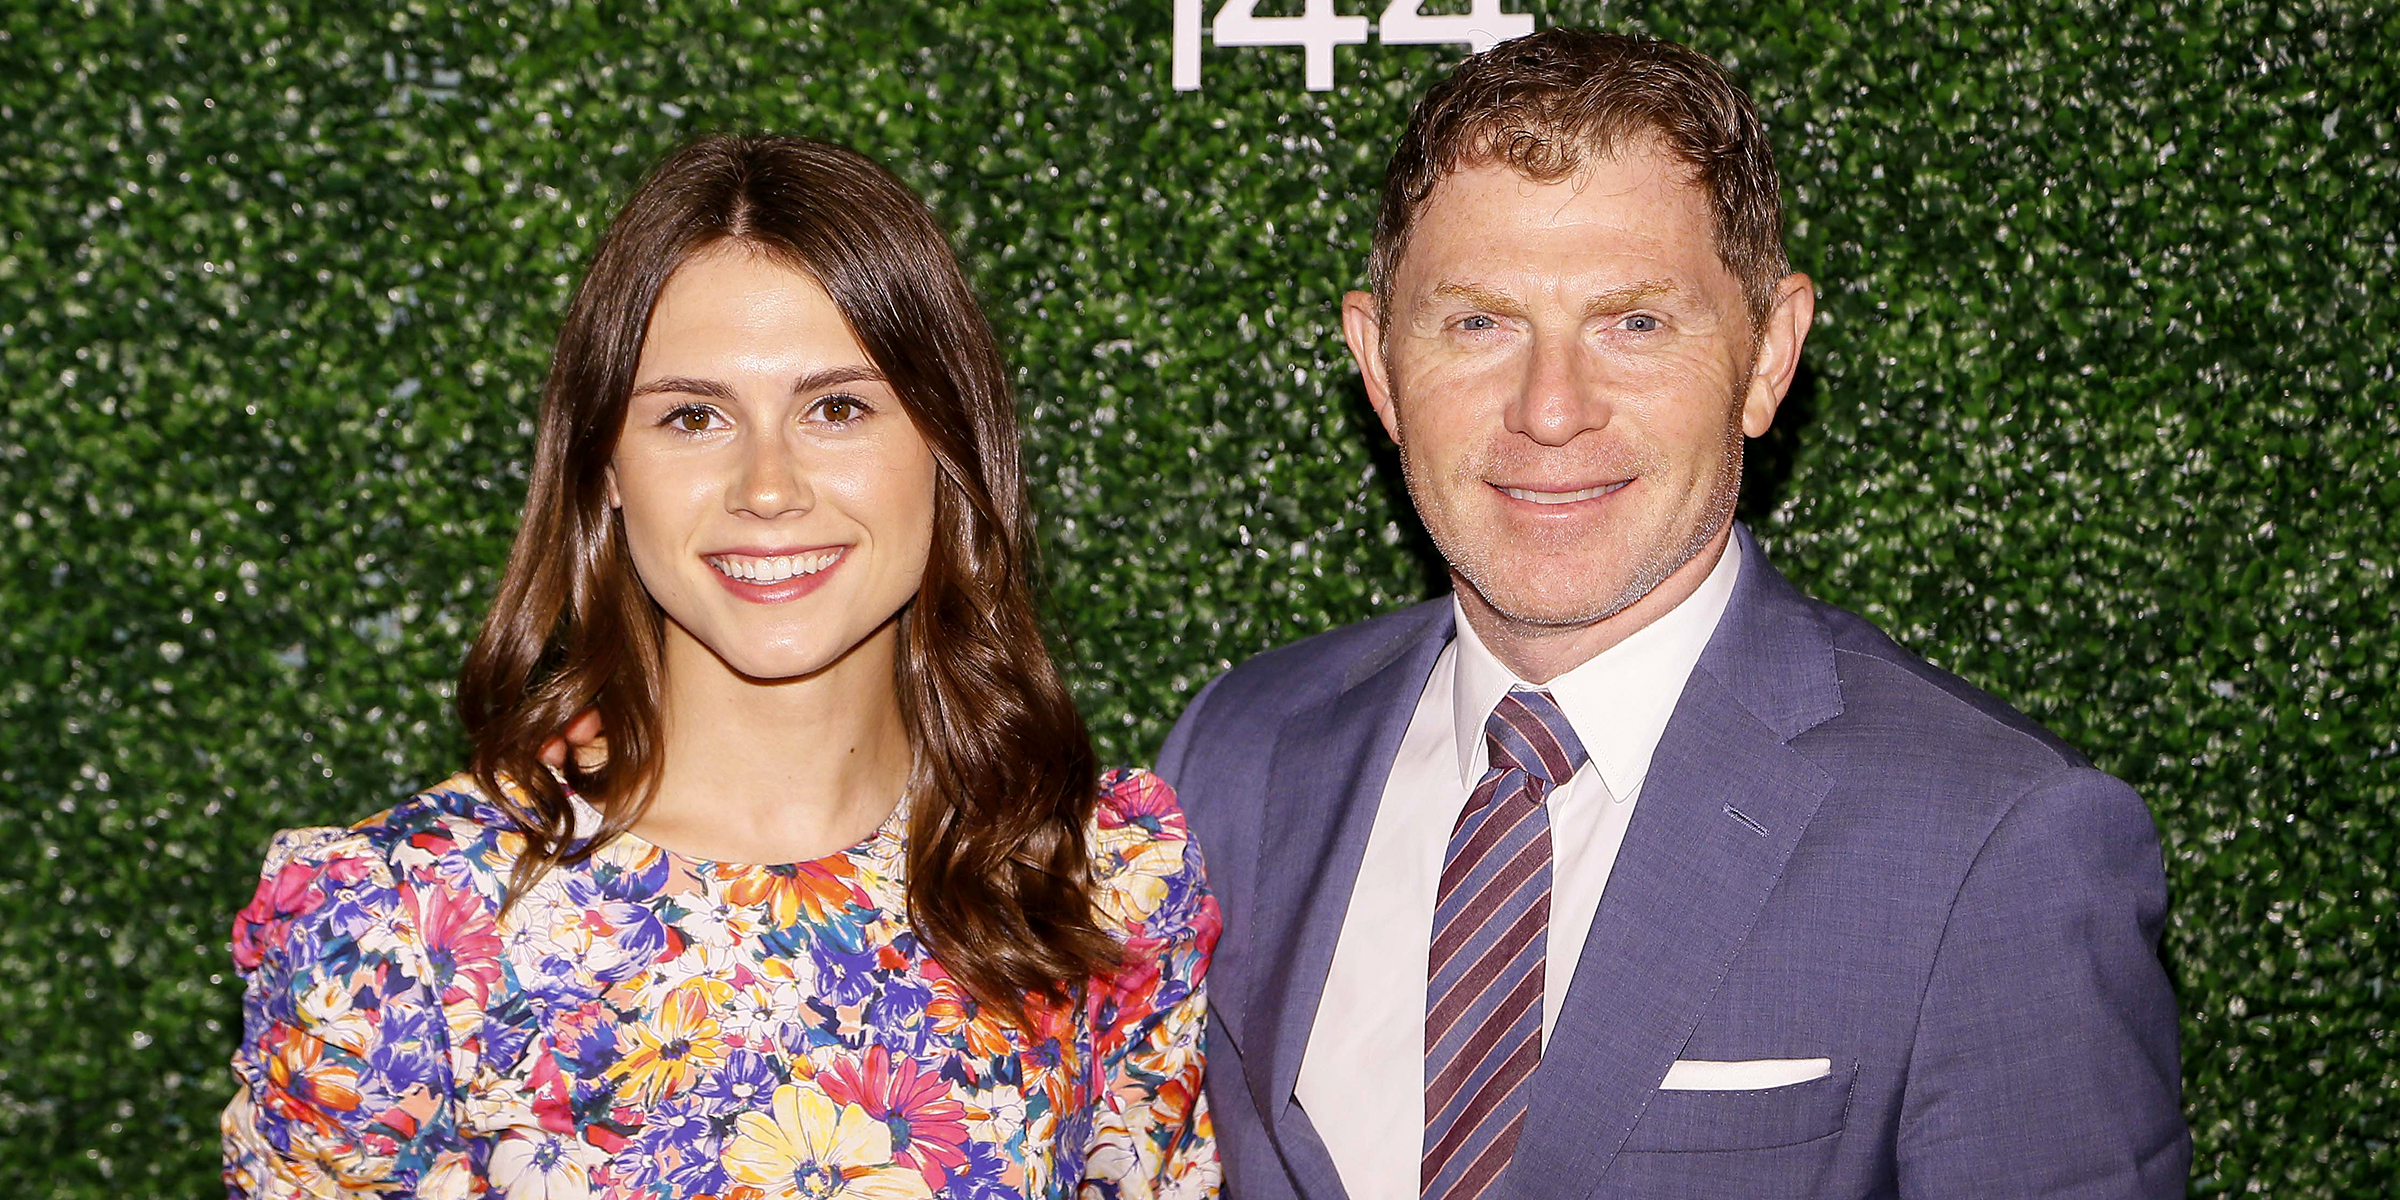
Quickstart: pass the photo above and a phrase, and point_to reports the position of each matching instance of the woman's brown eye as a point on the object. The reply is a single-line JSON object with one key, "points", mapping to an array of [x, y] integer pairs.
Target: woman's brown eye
{"points": [[692, 420], [838, 410]]}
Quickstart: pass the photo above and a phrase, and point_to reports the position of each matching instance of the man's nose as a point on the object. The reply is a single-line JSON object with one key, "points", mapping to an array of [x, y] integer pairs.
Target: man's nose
{"points": [[773, 482], [1563, 395]]}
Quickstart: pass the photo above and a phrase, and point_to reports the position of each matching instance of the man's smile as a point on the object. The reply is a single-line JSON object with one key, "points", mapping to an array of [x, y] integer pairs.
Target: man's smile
{"points": [[1532, 495]]}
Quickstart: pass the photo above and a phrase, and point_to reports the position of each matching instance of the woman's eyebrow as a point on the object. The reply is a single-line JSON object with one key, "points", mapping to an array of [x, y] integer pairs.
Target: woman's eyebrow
{"points": [[817, 381], [814, 381], [687, 386]]}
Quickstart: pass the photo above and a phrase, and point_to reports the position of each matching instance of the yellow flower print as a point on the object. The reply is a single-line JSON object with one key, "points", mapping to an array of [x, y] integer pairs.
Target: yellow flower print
{"points": [[673, 1048], [1134, 867], [813, 1149]]}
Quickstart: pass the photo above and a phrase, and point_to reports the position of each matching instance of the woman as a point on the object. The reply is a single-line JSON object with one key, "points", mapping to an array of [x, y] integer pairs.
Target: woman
{"points": [[843, 913]]}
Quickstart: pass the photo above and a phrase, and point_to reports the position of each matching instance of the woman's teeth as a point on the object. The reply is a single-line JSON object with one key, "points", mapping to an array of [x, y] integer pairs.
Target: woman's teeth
{"points": [[772, 570], [1534, 497]]}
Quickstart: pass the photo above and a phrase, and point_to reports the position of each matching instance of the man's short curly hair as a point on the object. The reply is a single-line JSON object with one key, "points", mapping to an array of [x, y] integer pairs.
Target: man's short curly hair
{"points": [[1545, 103]]}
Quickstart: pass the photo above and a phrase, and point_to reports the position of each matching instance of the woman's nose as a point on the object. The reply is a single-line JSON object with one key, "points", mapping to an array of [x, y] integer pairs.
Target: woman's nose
{"points": [[773, 482]]}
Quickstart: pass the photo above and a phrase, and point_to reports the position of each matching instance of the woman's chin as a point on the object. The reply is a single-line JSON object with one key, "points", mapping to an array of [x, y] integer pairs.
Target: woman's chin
{"points": [[776, 666], [751, 660], [775, 651], [775, 661]]}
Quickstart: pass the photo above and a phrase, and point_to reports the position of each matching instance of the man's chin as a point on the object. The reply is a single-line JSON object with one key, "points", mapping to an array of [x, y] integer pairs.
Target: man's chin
{"points": [[1536, 607]]}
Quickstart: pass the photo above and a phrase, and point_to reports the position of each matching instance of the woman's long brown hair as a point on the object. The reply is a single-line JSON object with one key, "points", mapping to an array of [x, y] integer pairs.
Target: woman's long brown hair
{"points": [[999, 882]]}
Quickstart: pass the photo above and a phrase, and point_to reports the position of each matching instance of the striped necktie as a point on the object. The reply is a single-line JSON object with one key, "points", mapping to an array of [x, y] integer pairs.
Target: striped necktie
{"points": [[1491, 928]]}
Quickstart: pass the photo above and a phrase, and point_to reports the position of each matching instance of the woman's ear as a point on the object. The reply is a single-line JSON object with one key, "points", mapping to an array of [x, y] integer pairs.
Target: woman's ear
{"points": [[616, 499]]}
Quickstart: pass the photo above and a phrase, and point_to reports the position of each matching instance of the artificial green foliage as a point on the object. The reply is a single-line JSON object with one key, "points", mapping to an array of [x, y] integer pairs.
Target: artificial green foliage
{"points": [[2100, 413]]}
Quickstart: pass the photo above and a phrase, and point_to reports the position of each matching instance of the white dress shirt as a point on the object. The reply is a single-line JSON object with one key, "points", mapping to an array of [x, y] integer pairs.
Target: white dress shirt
{"points": [[1362, 1079]]}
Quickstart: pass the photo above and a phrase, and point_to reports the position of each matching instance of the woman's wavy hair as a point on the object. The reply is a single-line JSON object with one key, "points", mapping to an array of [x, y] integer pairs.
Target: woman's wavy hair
{"points": [[999, 882]]}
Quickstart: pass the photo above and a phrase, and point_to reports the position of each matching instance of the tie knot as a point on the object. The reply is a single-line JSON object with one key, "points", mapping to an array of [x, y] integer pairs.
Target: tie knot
{"points": [[1527, 732]]}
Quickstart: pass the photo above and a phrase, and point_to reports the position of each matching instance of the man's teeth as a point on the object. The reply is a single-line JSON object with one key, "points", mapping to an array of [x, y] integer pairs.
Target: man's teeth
{"points": [[1534, 497], [772, 570]]}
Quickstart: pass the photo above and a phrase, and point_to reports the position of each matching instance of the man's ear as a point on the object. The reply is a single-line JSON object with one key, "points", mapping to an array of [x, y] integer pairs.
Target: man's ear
{"points": [[1778, 358], [1362, 327]]}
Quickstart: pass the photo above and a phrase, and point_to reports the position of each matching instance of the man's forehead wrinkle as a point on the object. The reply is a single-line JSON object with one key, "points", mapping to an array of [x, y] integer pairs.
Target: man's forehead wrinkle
{"points": [[1551, 152], [1575, 188]]}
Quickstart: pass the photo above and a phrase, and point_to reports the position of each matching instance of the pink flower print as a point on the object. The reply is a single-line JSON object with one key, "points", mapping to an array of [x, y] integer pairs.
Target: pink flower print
{"points": [[460, 941], [1144, 801], [928, 1123], [266, 922]]}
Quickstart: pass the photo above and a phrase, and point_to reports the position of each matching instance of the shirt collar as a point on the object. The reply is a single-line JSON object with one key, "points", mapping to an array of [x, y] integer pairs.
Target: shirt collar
{"points": [[1619, 701]]}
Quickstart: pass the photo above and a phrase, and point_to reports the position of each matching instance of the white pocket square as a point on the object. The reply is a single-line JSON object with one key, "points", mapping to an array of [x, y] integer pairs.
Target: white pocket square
{"points": [[1701, 1075]]}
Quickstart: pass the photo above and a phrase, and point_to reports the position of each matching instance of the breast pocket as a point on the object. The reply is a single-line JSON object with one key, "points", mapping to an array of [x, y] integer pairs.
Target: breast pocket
{"points": [[1704, 1145], [1763, 1119]]}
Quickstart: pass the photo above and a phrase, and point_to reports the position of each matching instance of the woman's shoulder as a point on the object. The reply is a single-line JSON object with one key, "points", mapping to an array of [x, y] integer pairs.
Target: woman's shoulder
{"points": [[448, 839], [1151, 882], [450, 817], [455, 815]]}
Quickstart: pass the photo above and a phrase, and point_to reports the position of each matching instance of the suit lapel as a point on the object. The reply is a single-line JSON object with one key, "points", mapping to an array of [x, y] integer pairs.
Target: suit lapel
{"points": [[1688, 881], [1326, 780]]}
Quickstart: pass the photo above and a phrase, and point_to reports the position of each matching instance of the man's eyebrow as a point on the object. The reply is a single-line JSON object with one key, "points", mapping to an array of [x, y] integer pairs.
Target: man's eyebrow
{"points": [[1479, 296], [1631, 295], [814, 381], [1615, 299]]}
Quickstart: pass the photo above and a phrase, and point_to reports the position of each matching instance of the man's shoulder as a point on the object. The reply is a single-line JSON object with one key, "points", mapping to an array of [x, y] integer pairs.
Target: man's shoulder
{"points": [[1847, 695], [1316, 668], [1223, 736], [1895, 705]]}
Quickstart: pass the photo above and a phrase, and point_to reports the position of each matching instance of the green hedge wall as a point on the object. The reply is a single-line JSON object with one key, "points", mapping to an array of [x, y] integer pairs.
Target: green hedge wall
{"points": [[2100, 414]]}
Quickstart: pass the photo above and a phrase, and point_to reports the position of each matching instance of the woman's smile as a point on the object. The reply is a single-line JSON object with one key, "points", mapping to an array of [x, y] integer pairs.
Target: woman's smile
{"points": [[763, 578]]}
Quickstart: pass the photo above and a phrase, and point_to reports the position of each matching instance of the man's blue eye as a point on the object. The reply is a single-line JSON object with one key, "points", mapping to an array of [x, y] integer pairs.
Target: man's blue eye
{"points": [[1641, 323], [1479, 323]]}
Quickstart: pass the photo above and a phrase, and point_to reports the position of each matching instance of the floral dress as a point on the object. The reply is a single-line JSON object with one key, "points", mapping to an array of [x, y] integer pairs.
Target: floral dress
{"points": [[643, 1024]]}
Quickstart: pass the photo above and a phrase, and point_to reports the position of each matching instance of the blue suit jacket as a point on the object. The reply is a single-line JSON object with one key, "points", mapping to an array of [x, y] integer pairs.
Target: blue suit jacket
{"points": [[1946, 901]]}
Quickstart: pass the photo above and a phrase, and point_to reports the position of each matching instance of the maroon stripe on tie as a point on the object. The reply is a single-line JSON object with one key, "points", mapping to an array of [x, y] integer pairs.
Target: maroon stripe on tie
{"points": [[1487, 1020], [1489, 1097], [1530, 859], [1545, 744], [1487, 1165], [1443, 1087], [1463, 862], [1485, 971]]}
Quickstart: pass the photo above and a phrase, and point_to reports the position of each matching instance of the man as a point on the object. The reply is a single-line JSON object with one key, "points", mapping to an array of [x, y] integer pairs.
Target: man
{"points": [[1627, 870]]}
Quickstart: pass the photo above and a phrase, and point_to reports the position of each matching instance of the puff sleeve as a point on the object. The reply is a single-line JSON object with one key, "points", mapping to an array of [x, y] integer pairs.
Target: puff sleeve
{"points": [[1151, 1136], [344, 1069]]}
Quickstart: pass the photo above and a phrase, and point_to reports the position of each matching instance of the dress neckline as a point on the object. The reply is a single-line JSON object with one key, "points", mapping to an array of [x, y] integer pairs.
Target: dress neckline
{"points": [[884, 838]]}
